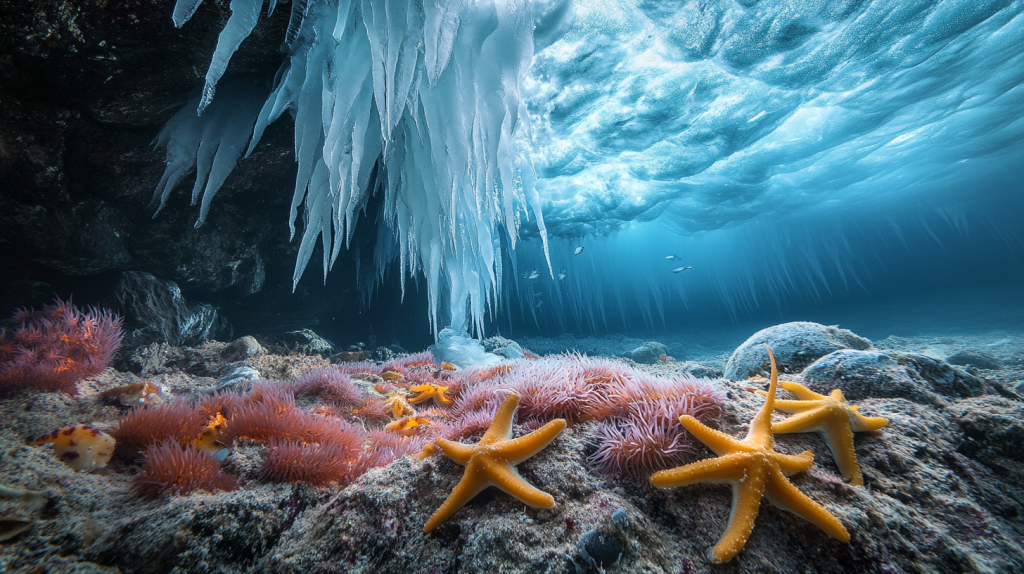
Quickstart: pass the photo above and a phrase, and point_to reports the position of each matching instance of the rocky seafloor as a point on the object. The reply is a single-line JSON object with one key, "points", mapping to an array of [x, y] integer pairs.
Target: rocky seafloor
{"points": [[944, 481]]}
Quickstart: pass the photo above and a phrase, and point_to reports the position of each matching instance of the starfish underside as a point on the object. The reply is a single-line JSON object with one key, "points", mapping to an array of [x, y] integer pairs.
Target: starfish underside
{"points": [[753, 468]]}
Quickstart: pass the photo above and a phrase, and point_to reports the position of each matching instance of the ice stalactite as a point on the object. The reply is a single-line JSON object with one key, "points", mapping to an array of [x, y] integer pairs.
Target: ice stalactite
{"points": [[418, 100], [211, 143]]}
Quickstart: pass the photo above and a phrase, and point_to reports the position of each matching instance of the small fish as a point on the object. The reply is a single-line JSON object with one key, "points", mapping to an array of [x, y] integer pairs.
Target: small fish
{"points": [[999, 343], [681, 269], [578, 250], [538, 305], [561, 276], [673, 258], [534, 275]]}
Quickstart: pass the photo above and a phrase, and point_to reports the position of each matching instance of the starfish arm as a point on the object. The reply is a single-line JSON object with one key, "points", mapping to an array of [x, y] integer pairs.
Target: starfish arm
{"points": [[717, 441], [746, 502], [472, 484], [443, 401], [801, 391], [507, 479], [783, 494], [728, 468], [860, 423], [786, 406], [419, 398], [793, 407], [501, 425], [793, 463], [839, 439], [460, 453], [808, 421], [522, 448]]}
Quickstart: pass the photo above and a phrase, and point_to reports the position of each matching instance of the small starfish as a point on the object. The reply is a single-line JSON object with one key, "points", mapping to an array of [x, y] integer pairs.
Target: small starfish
{"points": [[399, 406], [492, 462], [753, 468], [431, 391], [832, 418], [407, 426]]}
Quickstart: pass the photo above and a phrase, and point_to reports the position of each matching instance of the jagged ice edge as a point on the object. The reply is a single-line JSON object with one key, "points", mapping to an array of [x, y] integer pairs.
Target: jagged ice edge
{"points": [[388, 95]]}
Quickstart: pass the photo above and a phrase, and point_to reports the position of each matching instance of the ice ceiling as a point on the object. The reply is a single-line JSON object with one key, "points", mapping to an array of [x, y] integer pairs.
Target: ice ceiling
{"points": [[707, 113], [730, 153]]}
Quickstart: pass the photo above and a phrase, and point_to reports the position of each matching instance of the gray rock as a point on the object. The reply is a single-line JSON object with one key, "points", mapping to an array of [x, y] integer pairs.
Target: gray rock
{"points": [[303, 342], [383, 355], [503, 347], [156, 312], [242, 348], [238, 378], [795, 345], [599, 549], [888, 374], [510, 351], [648, 353], [701, 371], [977, 359]]}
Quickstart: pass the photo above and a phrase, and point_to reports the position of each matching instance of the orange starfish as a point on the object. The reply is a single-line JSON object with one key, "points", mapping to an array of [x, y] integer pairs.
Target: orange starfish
{"points": [[407, 426], [492, 462], [753, 468], [431, 391], [832, 418]]}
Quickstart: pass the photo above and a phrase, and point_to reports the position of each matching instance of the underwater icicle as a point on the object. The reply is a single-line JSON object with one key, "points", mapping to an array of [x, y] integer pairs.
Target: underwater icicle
{"points": [[417, 100]]}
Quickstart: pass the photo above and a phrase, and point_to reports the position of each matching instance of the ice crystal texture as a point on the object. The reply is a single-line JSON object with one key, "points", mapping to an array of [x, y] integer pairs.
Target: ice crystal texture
{"points": [[419, 101], [782, 150]]}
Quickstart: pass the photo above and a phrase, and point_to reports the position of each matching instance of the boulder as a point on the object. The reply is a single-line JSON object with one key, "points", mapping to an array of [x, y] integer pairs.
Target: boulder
{"points": [[700, 371], [241, 349], [302, 342], [976, 359], [889, 374], [503, 347], [795, 345], [649, 353], [155, 311]]}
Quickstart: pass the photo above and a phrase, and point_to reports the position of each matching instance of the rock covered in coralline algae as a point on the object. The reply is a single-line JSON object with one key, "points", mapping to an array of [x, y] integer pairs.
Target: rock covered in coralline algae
{"points": [[795, 346]]}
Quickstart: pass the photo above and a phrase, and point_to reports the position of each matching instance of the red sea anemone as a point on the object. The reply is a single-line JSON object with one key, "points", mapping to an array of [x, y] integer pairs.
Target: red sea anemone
{"points": [[53, 349], [171, 469], [180, 421], [315, 464]]}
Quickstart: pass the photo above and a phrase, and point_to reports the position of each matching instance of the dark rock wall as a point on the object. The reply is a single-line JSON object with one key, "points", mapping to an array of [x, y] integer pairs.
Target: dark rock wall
{"points": [[85, 86]]}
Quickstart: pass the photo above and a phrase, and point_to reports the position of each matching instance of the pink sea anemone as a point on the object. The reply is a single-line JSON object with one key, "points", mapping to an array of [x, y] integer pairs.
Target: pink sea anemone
{"points": [[634, 446], [390, 446], [53, 349], [171, 469], [648, 437], [331, 384]]}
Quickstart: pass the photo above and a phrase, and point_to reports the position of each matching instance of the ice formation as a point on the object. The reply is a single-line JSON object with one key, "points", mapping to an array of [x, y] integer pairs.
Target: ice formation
{"points": [[787, 151], [419, 101], [783, 149]]}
